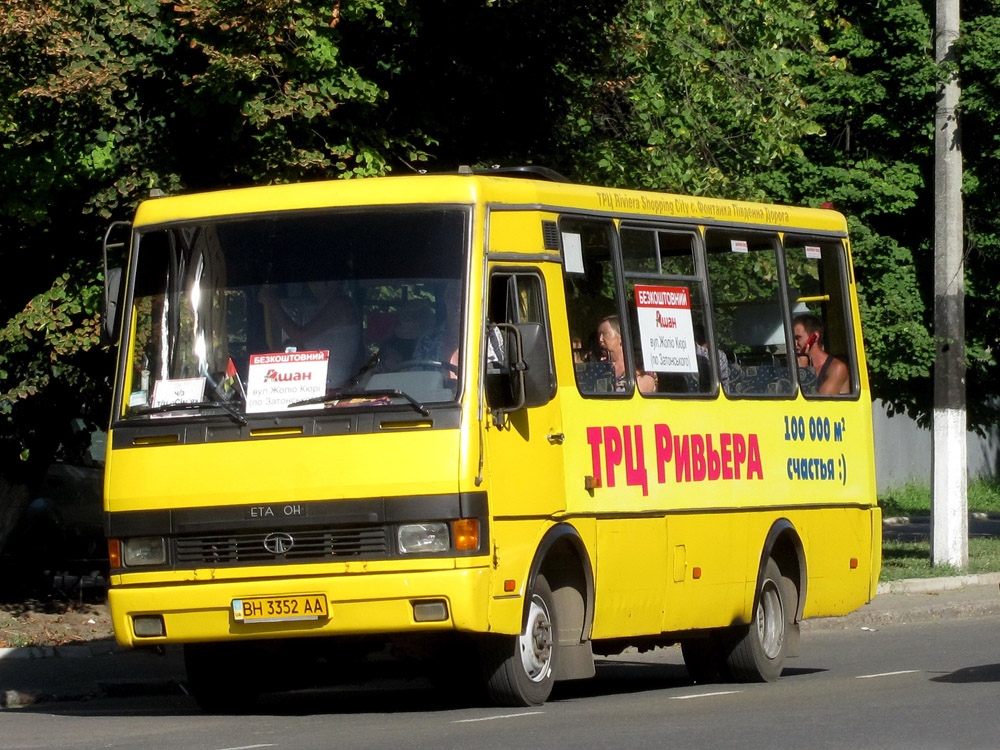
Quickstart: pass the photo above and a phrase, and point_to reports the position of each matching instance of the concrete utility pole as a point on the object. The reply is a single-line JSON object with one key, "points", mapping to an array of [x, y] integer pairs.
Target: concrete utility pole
{"points": [[950, 518]]}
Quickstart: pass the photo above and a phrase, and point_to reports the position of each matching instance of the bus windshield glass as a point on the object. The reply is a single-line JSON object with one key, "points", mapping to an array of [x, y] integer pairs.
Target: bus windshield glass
{"points": [[289, 311]]}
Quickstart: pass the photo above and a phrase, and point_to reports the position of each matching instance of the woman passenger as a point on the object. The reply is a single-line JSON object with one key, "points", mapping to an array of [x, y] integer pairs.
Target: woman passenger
{"points": [[609, 337]]}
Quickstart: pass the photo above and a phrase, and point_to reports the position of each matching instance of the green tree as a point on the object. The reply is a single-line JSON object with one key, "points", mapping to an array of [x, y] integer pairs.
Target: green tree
{"points": [[980, 79], [101, 100]]}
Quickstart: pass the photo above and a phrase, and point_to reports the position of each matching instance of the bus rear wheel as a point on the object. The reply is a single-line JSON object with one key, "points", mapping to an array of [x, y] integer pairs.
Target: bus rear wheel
{"points": [[519, 668], [758, 653]]}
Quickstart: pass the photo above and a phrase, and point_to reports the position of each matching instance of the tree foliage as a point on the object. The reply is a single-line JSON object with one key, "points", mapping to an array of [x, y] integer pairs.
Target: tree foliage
{"points": [[102, 100], [700, 97]]}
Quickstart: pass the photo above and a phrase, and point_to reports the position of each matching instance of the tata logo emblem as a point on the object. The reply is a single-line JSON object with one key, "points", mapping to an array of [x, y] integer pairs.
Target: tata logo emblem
{"points": [[278, 542]]}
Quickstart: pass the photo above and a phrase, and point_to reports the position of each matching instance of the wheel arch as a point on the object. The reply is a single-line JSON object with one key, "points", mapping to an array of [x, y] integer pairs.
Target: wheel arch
{"points": [[784, 544], [562, 558]]}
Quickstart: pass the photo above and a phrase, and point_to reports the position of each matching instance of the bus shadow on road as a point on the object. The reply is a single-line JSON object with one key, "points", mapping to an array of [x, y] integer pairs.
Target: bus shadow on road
{"points": [[623, 677], [982, 673], [400, 693]]}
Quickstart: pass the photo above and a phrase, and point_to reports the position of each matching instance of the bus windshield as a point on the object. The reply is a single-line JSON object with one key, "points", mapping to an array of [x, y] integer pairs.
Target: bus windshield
{"points": [[294, 310]]}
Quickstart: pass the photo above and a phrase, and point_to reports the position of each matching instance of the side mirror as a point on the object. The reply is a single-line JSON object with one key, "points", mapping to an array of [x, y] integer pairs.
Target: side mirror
{"points": [[520, 375], [112, 292], [112, 281]]}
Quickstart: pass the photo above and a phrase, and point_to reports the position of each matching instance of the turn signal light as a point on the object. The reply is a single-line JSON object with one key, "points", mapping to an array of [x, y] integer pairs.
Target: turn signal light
{"points": [[115, 553], [466, 534]]}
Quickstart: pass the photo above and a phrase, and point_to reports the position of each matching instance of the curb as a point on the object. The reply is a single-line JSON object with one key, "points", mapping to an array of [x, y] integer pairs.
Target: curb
{"points": [[928, 585], [918, 600], [903, 520], [103, 648]]}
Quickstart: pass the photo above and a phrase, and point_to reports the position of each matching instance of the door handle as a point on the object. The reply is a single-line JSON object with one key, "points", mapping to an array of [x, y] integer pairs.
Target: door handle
{"points": [[556, 438]]}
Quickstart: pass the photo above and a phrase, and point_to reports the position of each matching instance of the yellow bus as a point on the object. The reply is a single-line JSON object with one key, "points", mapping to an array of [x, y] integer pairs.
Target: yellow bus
{"points": [[497, 419]]}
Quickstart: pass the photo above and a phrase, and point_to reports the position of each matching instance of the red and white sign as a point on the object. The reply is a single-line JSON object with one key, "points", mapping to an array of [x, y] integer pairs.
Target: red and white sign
{"points": [[665, 329], [276, 380]]}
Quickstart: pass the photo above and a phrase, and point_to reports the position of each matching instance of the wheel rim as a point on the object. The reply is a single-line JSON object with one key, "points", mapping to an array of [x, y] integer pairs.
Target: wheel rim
{"points": [[536, 641], [770, 620]]}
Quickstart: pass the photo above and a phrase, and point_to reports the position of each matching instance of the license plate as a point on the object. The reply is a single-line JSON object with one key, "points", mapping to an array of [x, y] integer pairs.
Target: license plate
{"points": [[280, 608]]}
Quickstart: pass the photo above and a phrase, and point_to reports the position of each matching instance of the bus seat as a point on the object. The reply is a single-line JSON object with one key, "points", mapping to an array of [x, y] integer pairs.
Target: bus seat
{"points": [[758, 379], [808, 381], [595, 377]]}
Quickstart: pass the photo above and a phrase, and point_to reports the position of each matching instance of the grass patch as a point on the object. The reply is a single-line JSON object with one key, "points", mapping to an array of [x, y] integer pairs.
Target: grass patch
{"points": [[913, 560], [914, 498]]}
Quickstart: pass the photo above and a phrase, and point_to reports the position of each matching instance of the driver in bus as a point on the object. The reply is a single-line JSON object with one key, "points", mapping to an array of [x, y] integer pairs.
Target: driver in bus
{"points": [[441, 344]]}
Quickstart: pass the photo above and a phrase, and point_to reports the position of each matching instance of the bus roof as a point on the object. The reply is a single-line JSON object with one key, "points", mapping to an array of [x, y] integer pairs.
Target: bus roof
{"points": [[495, 191]]}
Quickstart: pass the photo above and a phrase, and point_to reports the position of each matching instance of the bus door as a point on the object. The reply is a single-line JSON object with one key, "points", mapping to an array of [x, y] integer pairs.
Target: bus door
{"points": [[522, 444]]}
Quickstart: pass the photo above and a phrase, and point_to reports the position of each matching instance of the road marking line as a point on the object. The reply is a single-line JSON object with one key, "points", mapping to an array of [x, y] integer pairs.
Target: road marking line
{"points": [[502, 716], [885, 674], [704, 695], [247, 747]]}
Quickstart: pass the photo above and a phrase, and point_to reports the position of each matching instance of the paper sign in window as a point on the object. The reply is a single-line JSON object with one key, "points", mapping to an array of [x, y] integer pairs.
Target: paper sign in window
{"points": [[572, 253], [178, 391], [276, 380], [665, 329]]}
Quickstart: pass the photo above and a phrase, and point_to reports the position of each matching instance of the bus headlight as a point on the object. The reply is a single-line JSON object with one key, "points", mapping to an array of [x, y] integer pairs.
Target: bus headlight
{"points": [[144, 550], [423, 537]]}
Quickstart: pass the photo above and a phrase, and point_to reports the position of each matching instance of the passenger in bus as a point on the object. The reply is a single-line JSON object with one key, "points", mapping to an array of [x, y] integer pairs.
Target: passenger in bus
{"points": [[832, 374], [335, 326], [701, 341], [609, 337]]}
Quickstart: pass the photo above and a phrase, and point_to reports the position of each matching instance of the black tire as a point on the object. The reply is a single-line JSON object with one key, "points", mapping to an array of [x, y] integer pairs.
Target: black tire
{"points": [[705, 659], [758, 653], [217, 677], [519, 668]]}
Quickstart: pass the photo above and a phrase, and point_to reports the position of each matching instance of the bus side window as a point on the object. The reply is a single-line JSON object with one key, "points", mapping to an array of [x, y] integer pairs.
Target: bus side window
{"points": [[592, 300], [817, 292], [665, 295], [745, 279]]}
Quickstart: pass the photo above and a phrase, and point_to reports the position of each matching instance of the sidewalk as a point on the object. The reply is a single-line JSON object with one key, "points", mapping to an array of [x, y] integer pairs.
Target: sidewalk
{"points": [[103, 669], [73, 673], [920, 600]]}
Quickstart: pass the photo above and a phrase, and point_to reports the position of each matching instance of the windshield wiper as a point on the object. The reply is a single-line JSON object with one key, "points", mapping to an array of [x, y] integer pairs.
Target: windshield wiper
{"points": [[341, 394], [190, 405]]}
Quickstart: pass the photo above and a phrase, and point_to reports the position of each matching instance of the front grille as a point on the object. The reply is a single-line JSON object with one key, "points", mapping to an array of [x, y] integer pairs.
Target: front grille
{"points": [[309, 545]]}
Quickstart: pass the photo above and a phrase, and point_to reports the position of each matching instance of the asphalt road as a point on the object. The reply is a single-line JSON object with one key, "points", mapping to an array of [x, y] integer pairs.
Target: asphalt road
{"points": [[926, 684], [916, 529]]}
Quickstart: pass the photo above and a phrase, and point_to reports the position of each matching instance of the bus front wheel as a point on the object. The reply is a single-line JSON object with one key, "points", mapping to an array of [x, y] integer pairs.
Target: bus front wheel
{"points": [[519, 667], [758, 653]]}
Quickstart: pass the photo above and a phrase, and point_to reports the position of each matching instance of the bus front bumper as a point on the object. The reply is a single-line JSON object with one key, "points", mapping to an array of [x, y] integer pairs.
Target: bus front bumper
{"points": [[373, 603]]}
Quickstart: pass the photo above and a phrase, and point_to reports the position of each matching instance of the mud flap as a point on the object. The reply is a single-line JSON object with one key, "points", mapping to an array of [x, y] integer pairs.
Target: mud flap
{"points": [[575, 662]]}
